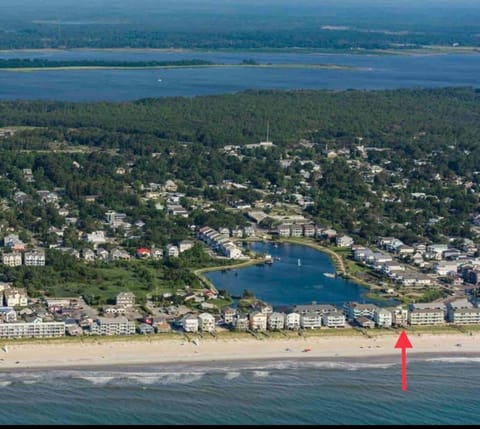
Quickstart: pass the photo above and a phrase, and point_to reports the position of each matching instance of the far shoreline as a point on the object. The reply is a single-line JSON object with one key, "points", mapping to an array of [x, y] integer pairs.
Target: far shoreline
{"points": [[190, 66], [424, 50]]}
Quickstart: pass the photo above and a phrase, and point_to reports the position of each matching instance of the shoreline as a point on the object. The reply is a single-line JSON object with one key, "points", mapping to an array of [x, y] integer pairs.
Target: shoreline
{"points": [[167, 67], [179, 351], [424, 50]]}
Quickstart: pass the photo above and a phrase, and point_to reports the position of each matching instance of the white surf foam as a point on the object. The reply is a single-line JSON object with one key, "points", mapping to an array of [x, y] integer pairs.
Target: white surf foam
{"points": [[453, 359], [232, 374], [261, 374], [97, 380]]}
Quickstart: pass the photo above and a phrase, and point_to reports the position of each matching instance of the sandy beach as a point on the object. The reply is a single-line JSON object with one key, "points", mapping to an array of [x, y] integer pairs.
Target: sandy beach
{"points": [[105, 352]]}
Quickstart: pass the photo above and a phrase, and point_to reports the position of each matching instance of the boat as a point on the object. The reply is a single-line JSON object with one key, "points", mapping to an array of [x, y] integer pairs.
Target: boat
{"points": [[299, 263], [268, 259], [330, 275], [159, 80]]}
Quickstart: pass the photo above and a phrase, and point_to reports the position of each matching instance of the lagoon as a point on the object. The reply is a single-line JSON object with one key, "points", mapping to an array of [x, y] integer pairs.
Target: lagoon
{"points": [[368, 72], [285, 282]]}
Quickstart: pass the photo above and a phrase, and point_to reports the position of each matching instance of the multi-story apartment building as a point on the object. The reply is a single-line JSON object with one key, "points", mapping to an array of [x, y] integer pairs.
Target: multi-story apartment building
{"points": [[112, 326], [36, 330]]}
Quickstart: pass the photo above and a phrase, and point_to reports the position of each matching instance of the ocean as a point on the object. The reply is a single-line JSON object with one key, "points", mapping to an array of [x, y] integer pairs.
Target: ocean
{"points": [[373, 72], [441, 390]]}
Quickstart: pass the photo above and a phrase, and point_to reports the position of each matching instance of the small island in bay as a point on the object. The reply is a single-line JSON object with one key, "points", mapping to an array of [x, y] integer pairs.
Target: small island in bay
{"points": [[30, 65]]}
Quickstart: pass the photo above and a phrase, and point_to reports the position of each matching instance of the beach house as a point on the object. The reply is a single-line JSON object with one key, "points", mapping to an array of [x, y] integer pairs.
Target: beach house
{"points": [[185, 245], [343, 240], [333, 319], [15, 297], [125, 299], [314, 308], [8, 314], [364, 322], [190, 323], [382, 318], [399, 316], [353, 310], [292, 321], [276, 321], [206, 322], [35, 258], [13, 259], [257, 321], [311, 320], [228, 314], [240, 322]]}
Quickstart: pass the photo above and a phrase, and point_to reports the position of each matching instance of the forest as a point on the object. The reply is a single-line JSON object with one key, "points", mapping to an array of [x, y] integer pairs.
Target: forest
{"points": [[343, 25], [42, 63]]}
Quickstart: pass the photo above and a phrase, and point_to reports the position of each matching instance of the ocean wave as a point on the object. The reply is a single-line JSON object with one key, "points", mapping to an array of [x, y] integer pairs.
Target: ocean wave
{"points": [[453, 359], [232, 374], [353, 366], [29, 381], [5, 383], [97, 380], [297, 364], [165, 377], [261, 374]]}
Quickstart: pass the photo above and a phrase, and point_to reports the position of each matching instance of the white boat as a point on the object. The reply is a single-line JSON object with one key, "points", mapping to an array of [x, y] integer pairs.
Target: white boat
{"points": [[159, 80], [331, 275], [299, 263]]}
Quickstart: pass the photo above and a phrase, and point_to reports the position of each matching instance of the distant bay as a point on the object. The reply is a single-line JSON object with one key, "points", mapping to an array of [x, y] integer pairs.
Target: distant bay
{"points": [[307, 71], [295, 277]]}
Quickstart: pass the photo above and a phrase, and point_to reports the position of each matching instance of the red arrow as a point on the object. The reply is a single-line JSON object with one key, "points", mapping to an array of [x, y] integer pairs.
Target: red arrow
{"points": [[404, 343]]}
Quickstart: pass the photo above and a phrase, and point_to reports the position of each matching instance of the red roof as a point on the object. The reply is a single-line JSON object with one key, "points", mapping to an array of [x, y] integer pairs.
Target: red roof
{"points": [[143, 250]]}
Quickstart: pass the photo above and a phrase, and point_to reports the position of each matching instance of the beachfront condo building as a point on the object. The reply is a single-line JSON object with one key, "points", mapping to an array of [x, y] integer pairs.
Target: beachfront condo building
{"points": [[463, 312], [354, 310], [311, 320], [426, 316], [112, 326], [466, 316], [334, 319], [29, 330]]}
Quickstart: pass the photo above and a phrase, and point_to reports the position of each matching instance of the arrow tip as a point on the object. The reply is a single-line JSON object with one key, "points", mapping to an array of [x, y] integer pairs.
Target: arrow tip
{"points": [[403, 342]]}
